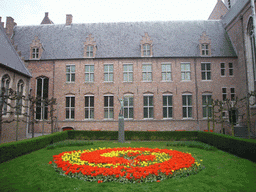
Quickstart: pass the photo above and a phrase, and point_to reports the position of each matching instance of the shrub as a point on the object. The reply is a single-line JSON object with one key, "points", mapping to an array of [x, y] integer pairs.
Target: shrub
{"points": [[194, 144], [69, 143]]}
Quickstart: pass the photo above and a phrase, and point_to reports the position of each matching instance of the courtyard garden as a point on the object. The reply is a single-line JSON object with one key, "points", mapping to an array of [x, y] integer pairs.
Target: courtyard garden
{"points": [[167, 166]]}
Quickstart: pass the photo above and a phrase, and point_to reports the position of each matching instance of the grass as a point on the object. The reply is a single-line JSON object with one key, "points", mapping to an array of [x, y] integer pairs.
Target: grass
{"points": [[223, 172]]}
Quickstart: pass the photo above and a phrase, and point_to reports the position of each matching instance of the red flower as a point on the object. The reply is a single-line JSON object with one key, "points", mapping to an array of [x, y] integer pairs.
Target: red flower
{"points": [[100, 181], [50, 162], [158, 181]]}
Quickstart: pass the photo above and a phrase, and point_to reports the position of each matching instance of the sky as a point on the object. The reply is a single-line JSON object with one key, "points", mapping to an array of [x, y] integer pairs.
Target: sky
{"points": [[32, 12]]}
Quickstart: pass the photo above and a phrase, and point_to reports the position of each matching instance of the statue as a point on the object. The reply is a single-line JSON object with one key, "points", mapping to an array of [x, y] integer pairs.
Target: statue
{"points": [[121, 107]]}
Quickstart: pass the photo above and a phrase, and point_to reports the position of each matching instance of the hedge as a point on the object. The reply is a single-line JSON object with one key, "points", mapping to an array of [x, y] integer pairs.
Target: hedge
{"points": [[14, 149], [244, 148]]}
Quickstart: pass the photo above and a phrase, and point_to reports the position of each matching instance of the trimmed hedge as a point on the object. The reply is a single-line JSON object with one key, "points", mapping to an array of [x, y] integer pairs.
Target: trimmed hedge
{"points": [[14, 149], [243, 148], [134, 135]]}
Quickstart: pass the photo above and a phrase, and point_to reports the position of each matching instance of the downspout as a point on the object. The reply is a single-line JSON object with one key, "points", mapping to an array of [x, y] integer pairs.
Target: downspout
{"points": [[198, 128]]}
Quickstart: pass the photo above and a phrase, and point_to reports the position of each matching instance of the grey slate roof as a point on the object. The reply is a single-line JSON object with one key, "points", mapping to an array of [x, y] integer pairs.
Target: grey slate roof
{"points": [[234, 11], [8, 55], [117, 40]]}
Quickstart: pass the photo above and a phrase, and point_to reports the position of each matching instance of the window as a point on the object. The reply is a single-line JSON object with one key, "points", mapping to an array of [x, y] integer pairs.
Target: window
{"points": [[35, 53], [205, 49], [89, 73], [108, 73], [231, 69], [166, 72], [207, 105], [42, 86], [128, 72], [232, 94], [224, 93], [147, 72], [222, 69], [128, 106], [148, 106], [167, 106], [20, 87], [108, 107], [89, 52], [70, 107], [187, 106], [89, 107], [229, 4], [206, 71], [5, 83], [146, 50], [185, 71], [70, 73]]}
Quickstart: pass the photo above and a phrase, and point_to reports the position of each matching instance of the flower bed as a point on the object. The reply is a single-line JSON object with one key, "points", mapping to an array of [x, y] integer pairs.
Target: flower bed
{"points": [[125, 164]]}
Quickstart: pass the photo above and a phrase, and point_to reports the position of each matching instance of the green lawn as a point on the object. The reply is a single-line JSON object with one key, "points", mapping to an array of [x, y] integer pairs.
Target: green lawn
{"points": [[223, 172]]}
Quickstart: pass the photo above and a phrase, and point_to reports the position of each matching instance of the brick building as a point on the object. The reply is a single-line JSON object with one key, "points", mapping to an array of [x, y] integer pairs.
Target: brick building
{"points": [[165, 71], [14, 75]]}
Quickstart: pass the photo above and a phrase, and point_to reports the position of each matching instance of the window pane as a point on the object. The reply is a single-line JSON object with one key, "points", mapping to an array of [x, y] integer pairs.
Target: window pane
{"points": [[145, 101], [150, 100], [87, 68], [163, 67], [184, 112], [92, 101], [183, 76], [151, 112], [72, 113], [125, 112], [184, 101], [163, 76], [73, 77], [73, 68], [168, 77], [170, 100], [145, 112], [111, 77], [86, 101], [202, 66], [67, 113], [208, 75], [72, 101], [67, 69], [131, 113], [164, 100], [222, 65], [203, 75], [105, 101], [165, 112], [111, 101], [86, 112], [170, 111], [87, 77], [67, 102], [92, 77], [130, 77], [189, 100], [187, 76], [111, 113], [125, 67], [190, 112], [111, 68]]}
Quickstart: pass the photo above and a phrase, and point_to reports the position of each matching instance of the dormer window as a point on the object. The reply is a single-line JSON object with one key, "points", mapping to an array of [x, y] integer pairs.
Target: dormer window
{"points": [[146, 50], [205, 45], [35, 53], [89, 51], [89, 47], [36, 49], [205, 49], [146, 46]]}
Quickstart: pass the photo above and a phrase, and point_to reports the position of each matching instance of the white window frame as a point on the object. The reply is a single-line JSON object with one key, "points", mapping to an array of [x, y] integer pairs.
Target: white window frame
{"points": [[69, 108], [108, 108], [231, 68], [20, 90], [70, 73], [89, 108], [185, 71], [222, 69], [6, 83], [168, 106], [187, 106], [89, 73], [43, 107], [206, 71], [35, 53], [89, 51], [148, 107], [108, 73], [129, 106], [205, 49], [166, 72], [226, 94], [146, 50], [232, 94], [127, 73], [147, 73], [205, 106]]}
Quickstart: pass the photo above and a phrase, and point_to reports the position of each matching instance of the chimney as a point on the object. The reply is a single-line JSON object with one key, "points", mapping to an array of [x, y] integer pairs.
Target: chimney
{"points": [[69, 18], [1, 23], [10, 24], [46, 19]]}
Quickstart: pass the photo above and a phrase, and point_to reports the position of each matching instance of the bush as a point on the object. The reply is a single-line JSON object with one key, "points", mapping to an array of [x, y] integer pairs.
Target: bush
{"points": [[194, 144], [14, 149], [244, 148], [69, 143]]}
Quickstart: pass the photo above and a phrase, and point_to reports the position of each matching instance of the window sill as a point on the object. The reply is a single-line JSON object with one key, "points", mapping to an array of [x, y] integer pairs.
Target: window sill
{"points": [[148, 119], [108, 82], [186, 81], [147, 81], [190, 118], [167, 81], [89, 82], [207, 80], [127, 81], [69, 120], [70, 82]]}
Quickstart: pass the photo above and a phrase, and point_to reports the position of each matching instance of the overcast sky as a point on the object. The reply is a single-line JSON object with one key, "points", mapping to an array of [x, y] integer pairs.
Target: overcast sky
{"points": [[31, 12]]}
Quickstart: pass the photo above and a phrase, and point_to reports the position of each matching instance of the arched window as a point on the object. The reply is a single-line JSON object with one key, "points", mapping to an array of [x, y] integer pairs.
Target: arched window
{"points": [[5, 85], [20, 87], [251, 45], [42, 86]]}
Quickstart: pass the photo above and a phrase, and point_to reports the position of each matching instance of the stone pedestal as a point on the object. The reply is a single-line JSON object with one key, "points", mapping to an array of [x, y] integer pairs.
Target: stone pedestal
{"points": [[121, 128]]}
